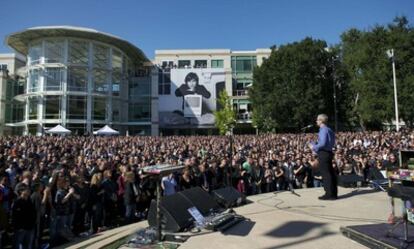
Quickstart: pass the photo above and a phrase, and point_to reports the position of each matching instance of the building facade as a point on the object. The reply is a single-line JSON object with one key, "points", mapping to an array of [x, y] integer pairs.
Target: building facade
{"points": [[82, 79], [11, 79], [237, 67]]}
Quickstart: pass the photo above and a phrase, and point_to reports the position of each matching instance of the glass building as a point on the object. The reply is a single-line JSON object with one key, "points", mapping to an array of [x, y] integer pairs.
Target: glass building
{"points": [[82, 79]]}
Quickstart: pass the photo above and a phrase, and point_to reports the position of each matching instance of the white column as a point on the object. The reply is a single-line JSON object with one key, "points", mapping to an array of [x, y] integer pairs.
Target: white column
{"points": [[41, 82], [41, 89], [63, 109], [39, 130], [42, 56], [41, 108], [25, 130], [63, 84], [26, 109], [40, 113]]}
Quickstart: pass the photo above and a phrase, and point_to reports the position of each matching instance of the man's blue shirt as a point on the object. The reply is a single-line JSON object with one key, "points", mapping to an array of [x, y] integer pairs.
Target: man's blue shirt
{"points": [[326, 140]]}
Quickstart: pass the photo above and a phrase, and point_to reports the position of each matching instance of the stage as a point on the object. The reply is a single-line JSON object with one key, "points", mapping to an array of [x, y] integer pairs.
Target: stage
{"points": [[283, 220]]}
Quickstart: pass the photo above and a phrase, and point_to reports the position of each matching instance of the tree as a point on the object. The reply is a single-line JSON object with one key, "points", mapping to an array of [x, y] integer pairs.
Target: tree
{"points": [[293, 85], [370, 74], [225, 117], [402, 40]]}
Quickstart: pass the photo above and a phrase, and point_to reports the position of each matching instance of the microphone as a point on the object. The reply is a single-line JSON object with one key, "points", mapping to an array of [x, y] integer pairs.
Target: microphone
{"points": [[307, 127]]}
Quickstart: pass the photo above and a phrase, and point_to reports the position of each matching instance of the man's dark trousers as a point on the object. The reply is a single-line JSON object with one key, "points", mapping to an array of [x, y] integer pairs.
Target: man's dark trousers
{"points": [[329, 179]]}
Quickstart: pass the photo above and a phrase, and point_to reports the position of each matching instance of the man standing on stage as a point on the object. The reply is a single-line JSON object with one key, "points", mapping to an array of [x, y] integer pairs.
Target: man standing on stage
{"points": [[324, 147]]}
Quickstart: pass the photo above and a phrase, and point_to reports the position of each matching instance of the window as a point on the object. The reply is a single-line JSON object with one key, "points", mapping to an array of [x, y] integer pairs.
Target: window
{"points": [[167, 64], [164, 82], [76, 107], [77, 129], [139, 130], [53, 78], [116, 60], [243, 63], [116, 82], [100, 80], [15, 112], [32, 129], [3, 67], [247, 65], [118, 66], [77, 79], [116, 107], [35, 52], [139, 87], [33, 101], [167, 77], [34, 80], [100, 56], [244, 109], [217, 64], [128, 67], [15, 87], [184, 63], [200, 64], [242, 83], [78, 53], [115, 89], [52, 107], [99, 108], [139, 111], [54, 51]]}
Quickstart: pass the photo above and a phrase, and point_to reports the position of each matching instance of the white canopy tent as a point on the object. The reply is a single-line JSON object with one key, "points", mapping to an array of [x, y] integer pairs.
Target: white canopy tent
{"points": [[58, 129], [106, 130]]}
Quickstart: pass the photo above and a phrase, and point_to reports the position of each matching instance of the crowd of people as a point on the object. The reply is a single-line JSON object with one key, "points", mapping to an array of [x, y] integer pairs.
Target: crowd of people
{"points": [[77, 186]]}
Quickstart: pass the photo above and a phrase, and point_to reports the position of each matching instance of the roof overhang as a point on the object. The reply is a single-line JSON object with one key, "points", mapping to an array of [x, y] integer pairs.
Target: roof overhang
{"points": [[19, 41]]}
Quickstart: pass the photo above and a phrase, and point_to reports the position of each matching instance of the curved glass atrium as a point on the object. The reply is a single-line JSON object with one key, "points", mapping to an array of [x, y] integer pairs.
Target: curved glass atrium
{"points": [[83, 84]]}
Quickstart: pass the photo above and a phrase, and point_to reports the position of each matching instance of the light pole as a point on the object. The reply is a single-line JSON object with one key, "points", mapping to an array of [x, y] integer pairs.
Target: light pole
{"points": [[390, 53], [334, 93]]}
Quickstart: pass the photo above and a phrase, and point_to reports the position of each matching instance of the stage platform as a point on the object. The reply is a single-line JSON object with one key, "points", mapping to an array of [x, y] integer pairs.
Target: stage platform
{"points": [[374, 236], [281, 220]]}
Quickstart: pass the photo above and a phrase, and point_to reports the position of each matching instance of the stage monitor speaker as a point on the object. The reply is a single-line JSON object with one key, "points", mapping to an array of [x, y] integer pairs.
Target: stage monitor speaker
{"points": [[228, 197], [174, 214], [201, 199], [350, 181]]}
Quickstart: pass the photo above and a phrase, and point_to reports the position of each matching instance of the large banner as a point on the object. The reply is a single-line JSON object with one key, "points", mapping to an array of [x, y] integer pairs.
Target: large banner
{"points": [[193, 97]]}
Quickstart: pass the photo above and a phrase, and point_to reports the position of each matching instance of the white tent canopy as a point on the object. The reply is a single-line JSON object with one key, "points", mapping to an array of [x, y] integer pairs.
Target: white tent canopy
{"points": [[106, 130], [58, 129]]}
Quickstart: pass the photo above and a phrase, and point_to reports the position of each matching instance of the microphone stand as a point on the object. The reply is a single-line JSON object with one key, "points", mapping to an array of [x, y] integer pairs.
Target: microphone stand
{"points": [[229, 171]]}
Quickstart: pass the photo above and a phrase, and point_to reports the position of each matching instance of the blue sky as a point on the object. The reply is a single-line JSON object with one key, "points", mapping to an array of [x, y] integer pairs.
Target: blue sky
{"points": [[190, 24]]}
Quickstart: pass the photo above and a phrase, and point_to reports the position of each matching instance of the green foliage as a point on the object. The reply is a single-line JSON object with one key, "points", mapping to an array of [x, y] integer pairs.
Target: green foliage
{"points": [[225, 117], [297, 81], [370, 72], [293, 85]]}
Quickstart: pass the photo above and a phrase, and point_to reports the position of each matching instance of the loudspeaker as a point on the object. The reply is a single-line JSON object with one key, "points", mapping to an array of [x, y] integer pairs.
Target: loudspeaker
{"points": [[200, 199], [350, 181], [174, 214], [228, 197]]}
